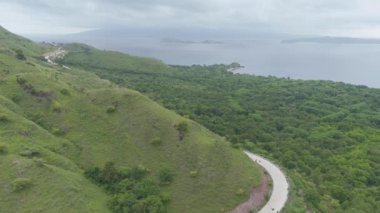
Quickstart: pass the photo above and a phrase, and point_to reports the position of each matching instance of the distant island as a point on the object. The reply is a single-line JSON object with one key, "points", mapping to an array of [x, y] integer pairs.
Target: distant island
{"points": [[174, 40], [333, 40]]}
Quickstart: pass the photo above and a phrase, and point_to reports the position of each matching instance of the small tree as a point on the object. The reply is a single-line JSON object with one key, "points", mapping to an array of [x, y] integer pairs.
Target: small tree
{"points": [[182, 128], [20, 55]]}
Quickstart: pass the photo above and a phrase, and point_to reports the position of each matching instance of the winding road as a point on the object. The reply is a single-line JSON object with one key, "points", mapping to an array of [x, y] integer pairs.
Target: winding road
{"points": [[279, 194]]}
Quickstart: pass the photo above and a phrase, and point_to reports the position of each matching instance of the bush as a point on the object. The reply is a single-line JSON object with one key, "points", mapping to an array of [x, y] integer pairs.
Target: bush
{"points": [[131, 191], [29, 153], [194, 174], [122, 202], [16, 98], [20, 184], [138, 172], [65, 92], [165, 197], [21, 80], [58, 132], [20, 55], [110, 174], [165, 176], [57, 107], [3, 148], [111, 109], [156, 141], [39, 162], [182, 128], [37, 118], [4, 118], [151, 204]]}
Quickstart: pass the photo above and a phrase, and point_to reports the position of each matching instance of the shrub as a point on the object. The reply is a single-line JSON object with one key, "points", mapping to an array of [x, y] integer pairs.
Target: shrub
{"points": [[21, 80], [20, 55], [131, 191], [151, 204], [37, 118], [93, 174], [165, 197], [194, 174], [122, 202], [57, 107], [16, 98], [3, 148], [58, 132], [29, 153], [182, 128], [166, 176], [20, 184], [138, 172], [65, 92], [156, 141], [111, 109], [4, 118], [110, 174], [144, 188], [39, 162]]}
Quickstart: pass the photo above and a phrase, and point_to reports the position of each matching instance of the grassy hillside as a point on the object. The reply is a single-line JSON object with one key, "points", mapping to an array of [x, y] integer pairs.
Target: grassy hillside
{"points": [[325, 134], [10, 41], [56, 123]]}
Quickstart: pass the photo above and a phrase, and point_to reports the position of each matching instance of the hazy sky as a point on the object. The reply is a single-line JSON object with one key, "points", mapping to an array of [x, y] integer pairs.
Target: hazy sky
{"points": [[327, 17]]}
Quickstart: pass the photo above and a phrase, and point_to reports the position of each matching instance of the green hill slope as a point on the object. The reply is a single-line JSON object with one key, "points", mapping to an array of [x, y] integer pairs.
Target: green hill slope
{"points": [[10, 41], [56, 123], [326, 134]]}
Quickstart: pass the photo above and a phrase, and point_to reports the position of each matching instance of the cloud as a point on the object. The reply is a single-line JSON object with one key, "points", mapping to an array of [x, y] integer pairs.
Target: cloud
{"points": [[291, 16]]}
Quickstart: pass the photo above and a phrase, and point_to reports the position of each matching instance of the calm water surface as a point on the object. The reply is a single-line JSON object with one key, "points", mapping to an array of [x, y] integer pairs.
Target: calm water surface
{"points": [[351, 63]]}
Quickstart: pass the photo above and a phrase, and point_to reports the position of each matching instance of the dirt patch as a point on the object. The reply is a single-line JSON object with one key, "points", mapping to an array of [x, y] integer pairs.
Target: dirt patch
{"points": [[58, 53], [256, 199]]}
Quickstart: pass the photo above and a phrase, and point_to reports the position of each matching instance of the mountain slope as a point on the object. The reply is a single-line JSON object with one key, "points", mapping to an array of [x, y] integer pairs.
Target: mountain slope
{"points": [[56, 123], [11, 41], [326, 134]]}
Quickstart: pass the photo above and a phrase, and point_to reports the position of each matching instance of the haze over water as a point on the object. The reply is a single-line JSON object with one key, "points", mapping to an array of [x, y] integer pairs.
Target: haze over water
{"points": [[351, 63]]}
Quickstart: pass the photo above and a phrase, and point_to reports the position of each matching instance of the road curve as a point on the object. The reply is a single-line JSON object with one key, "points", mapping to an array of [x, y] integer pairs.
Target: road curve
{"points": [[280, 184]]}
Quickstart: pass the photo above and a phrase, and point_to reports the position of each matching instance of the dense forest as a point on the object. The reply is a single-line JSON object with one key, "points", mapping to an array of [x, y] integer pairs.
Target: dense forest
{"points": [[326, 135]]}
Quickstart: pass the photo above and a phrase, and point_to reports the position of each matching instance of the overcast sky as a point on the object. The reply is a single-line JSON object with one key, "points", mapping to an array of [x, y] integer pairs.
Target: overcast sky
{"points": [[359, 18]]}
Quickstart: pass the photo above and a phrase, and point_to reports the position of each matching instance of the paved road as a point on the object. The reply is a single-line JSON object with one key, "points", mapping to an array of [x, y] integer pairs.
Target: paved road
{"points": [[280, 184]]}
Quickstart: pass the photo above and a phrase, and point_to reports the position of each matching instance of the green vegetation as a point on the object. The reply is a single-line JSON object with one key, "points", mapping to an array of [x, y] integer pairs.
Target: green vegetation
{"points": [[54, 126], [3, 148], [325, 134], [156, 141], [131, 190], [20, 55], [182, 128], [19, 46], [20, 184]]}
